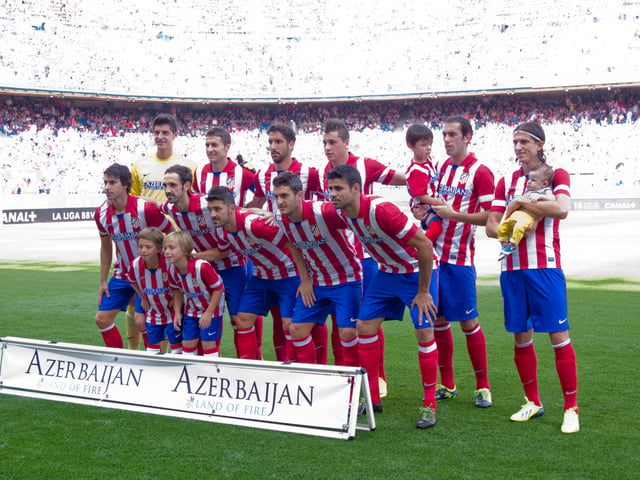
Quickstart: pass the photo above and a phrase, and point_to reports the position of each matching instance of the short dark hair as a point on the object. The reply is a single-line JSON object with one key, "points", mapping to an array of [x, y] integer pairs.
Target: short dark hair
{"points": [[288, 179], [417, 132], [121, 172], [184, 173], [166, 119], [345, 172], [222, 194], [220, 132], [465, 124], [338, 126], [287, 132]]}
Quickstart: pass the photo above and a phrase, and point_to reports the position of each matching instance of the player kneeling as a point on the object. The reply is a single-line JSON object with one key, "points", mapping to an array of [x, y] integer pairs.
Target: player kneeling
{"points": [[149, 276], [204, 292]]}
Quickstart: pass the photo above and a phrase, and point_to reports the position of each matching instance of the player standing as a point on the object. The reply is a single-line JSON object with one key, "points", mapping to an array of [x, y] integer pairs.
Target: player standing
{"points": [[335, 140], [221, 170], [466, 191], [282, 140], [120, 219], [316, 229], [405, 256], [191, 215], [533, 285], [279, 272], [147, 174]]}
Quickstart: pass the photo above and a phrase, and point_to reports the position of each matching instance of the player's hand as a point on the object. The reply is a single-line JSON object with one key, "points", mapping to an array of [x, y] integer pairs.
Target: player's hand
{"points": [[205, 320], [306, 291], [145, 304], [426, 307], [103, 290], [268, 217], [532, 228], [177, 322], [444, 211]]}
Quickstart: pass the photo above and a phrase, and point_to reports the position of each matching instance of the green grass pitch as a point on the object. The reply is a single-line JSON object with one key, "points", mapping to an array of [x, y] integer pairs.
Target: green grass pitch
{"points": [[42, 439]]}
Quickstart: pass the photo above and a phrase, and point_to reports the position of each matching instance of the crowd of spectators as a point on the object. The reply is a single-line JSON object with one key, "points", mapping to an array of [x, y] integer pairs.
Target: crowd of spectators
{"points": [[54, 146], [295, 49]]}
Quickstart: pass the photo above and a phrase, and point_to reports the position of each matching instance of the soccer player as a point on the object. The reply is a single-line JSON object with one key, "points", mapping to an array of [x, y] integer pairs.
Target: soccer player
{"points": [[282, 140], [279, 271], [533, 285], [405, 256], [318, 232], [466, 190], [120, 219], [191, 215], [221, 170], [198, 281], [335, 140], [146, 181], [149, 276], [147, 173]]}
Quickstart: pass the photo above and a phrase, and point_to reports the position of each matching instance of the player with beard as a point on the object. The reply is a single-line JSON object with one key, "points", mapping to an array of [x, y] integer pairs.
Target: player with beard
{"points": [[280, 274], [405, 256], [282, 140]]}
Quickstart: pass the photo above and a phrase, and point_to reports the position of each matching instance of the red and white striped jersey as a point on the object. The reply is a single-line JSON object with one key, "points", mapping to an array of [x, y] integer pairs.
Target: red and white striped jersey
{"points": [[321, 238], [197, 223], [384, 230], [154, 285], [310, 177], [371, 171], [263, 244], [236, 178], [468, 188], [422, 179], [197, 285], [541, 249], [123, 228]]}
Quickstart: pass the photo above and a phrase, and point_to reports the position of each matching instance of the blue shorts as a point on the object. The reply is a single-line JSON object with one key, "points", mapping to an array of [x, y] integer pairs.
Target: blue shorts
{"points": [[260, 295], [191, 330], [157, 333], [234, 280], [395, 311], [342, 300], [121, 292], [387, 288], [457, 301], [534, 299], [138, 306]]}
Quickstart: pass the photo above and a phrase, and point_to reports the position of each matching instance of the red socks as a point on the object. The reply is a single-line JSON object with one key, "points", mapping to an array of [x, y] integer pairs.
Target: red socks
{"points": [[428, 360], [112, 337], [477, 348], [444, 340], [566, 366], [527, 365]]}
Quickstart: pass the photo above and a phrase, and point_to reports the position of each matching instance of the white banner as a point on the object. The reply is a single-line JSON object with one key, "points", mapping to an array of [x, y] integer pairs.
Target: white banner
{"points": [[310, 399]]}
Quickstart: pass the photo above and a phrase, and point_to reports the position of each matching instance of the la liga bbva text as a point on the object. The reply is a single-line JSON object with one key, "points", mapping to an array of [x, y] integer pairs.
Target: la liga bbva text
{"points": [[217, 387]]}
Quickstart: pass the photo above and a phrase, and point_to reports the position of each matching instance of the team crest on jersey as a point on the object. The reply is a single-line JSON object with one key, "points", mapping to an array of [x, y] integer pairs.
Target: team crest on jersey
{"points": [[165, 277], [231, 183], [194, 282], [315, 230], [135, 222], [370, 230], [201, 220], [464, 177]]}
